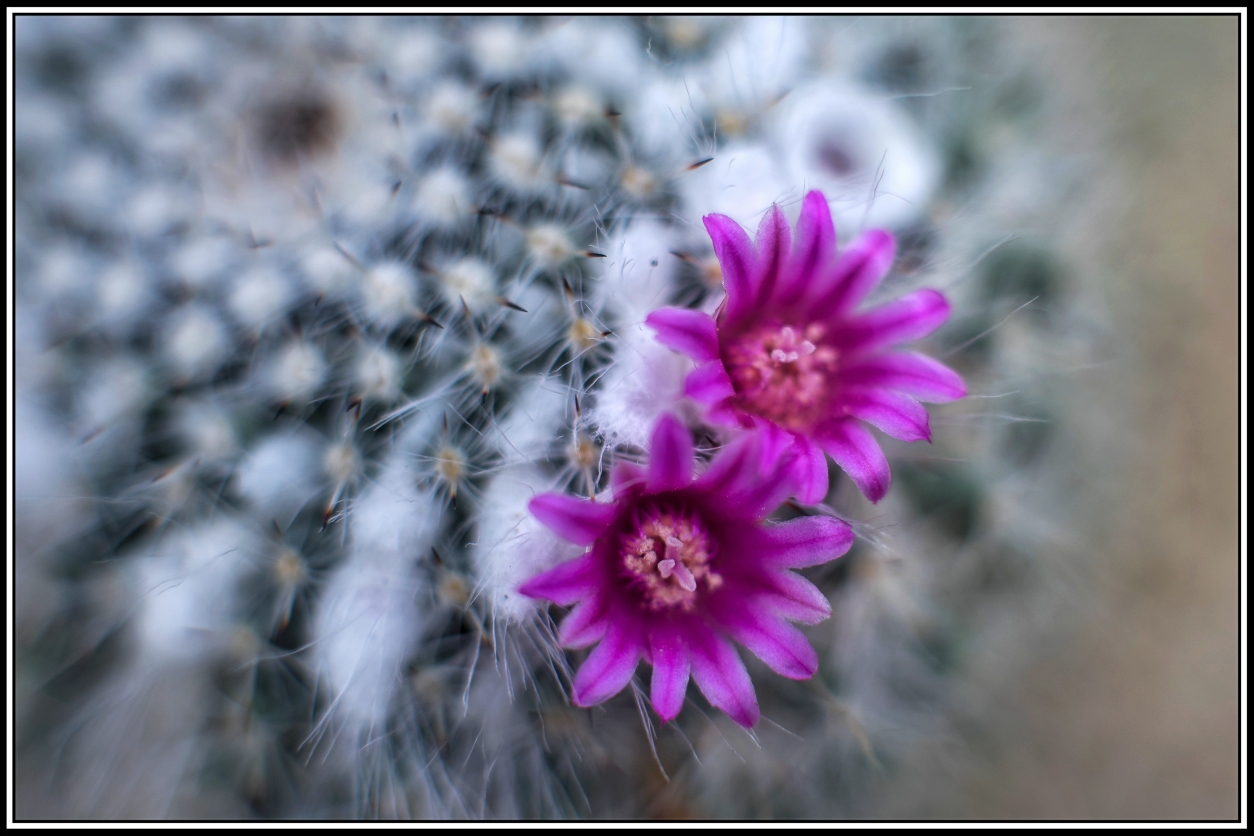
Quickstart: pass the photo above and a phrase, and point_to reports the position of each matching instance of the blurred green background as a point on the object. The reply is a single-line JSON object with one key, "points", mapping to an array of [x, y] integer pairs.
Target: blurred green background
{"points": [[1131, 711]]}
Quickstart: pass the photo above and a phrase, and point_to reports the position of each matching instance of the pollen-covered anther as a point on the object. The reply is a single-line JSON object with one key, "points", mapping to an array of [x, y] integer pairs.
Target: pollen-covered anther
{"points": [[667, 555]]}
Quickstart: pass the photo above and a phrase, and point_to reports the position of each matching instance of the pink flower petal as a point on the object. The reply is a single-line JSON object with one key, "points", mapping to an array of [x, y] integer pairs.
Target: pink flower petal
{"points": [[809, 470], [688, 332], [670, 456], [627, 479], [724, 413], [777, 643], [912, 316], [568, 582], [670, 673], [813, 248], [807, 541], [859, 455], [580, 521], [900, 416], [738, 483], [709, 384], [908, 372], [772, 243], [721, 676], [773, 442], [735, 463], [793, 597], [857, 272], [585, 625], [608, 668], [736, 256]]}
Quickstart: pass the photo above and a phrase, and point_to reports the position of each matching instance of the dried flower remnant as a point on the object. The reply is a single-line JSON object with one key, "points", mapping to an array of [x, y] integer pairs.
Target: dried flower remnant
{"points": [[789, 355], [678, 567]]}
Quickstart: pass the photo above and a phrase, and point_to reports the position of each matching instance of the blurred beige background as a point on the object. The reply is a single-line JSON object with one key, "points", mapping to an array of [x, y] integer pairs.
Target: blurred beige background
{"points": [[1132, 711]]}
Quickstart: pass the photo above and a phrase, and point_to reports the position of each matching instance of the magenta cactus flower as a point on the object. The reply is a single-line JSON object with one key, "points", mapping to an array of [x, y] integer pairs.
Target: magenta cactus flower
{"points": [[678, 567], [790, 354]]}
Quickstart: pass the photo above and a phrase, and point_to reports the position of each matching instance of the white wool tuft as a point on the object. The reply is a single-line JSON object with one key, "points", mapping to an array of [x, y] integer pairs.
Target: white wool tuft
{"points": [[259, 296], [388, 293], [371, 615], [666, 119], [195, 341], [742, 182], [341, 462], [207, 428], [470, 278], [517, 159], [578, 105], [202, 261], [122, 294], [511, 545], [443, 197], [327, 270], [549, 244], [499, 48], [116, 391], [536, 421], [452, 107], [48, 490], [281, 474], [863, 153], [157, 209], [409, 54], [600, 51], [644, 380], [638, 271], [762, 60], [65, 272], [188, 587], [297, 372], [378, 374]]}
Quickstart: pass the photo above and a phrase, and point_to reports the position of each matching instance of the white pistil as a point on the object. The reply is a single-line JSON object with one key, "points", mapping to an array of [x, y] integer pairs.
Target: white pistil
{"points": [[796, 352], [685, 578], [673, 564]]}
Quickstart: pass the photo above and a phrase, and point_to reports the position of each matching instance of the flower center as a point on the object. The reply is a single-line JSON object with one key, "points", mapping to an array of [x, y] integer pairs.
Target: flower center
{"points": [[782, 373], [667, 556]]}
